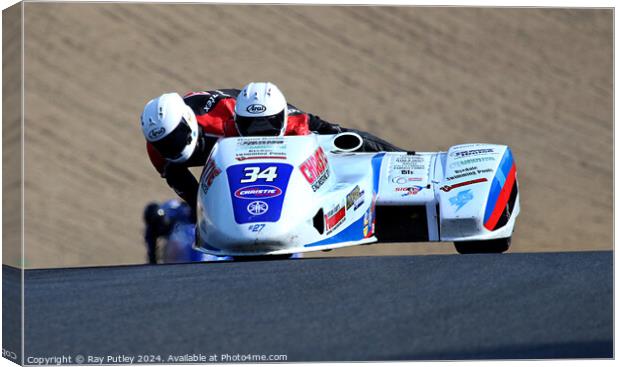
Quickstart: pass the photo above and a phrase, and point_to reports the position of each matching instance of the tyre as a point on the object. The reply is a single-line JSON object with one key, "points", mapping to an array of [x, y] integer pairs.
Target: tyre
{"points": [[483, 247]]}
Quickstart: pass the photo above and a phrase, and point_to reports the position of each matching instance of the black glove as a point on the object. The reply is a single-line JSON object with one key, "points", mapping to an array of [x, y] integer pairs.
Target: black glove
{"points": [[322, 127], [194, 213]]}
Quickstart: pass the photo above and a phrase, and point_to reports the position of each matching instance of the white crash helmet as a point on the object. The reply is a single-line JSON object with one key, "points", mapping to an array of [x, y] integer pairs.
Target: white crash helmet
{"points": [[170, 126], [261, 110]]}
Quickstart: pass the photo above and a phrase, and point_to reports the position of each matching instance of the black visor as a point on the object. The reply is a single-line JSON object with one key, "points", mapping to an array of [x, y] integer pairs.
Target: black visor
{"points": [[260, 126], [171, 146]]}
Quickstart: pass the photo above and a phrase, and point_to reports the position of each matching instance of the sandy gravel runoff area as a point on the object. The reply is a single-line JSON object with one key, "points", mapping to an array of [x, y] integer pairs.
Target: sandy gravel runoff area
{"points": [[539, 80]]}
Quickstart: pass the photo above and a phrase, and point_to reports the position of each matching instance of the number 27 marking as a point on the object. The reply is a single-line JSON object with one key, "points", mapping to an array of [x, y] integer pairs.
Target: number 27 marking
{"points": [[256, 227]]}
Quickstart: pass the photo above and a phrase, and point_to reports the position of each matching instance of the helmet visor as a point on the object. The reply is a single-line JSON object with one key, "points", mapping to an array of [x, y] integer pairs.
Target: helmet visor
{"points": [[260, 126], [171, 146]]}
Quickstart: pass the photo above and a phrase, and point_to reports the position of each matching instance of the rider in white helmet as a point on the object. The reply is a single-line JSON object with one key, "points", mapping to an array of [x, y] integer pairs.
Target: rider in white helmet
{"points": [[180, 131], [170, 126], [261, 110]]}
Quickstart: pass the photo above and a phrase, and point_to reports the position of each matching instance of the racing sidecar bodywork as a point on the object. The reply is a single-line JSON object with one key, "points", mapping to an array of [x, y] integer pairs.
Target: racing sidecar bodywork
{"points": [[280, 195]]}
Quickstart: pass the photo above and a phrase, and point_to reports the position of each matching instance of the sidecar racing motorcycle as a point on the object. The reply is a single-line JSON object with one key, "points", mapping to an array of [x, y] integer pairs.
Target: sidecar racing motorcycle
{"points": [[294, 194]]}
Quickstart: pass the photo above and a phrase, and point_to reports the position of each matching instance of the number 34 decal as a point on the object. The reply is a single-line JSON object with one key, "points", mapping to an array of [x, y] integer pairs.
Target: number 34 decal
{"points": [[252, 174]]}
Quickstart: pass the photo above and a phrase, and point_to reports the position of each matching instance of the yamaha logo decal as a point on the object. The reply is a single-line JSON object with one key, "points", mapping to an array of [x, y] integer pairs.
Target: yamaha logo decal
{"points": [[258, 192], [256, 108], [257, 207]]}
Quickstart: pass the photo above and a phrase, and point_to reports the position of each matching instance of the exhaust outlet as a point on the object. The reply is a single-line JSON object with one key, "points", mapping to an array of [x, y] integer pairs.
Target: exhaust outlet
{"points": [[347, 142]]}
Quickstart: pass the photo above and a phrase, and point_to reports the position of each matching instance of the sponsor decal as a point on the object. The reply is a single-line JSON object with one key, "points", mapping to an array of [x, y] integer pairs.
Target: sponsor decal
{"points": [[447, 188], [156, 133], [212, 101], [460, 199], [256, 108], [260, 141], [470, 161], [472, 145], [209, 174], [262, 200], [257, 208], [334, 218], [266, 156], [469, 173], [405, 158], [369, 219], [209, 104], [472, 152], [366, 223], [258, 192], [467, 169], [260, 148], [408, 191], [315, 169], [320, 181], [355, 198], [400, 180], [407, 164]]}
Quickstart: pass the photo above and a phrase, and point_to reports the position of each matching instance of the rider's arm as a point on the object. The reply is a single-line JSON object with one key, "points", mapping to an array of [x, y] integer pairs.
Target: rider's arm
{"points": [[322, 127], [178, 177], [371, 143], [157, 160], [213, 110], [319, 126], [314, 123], [183, 182]]}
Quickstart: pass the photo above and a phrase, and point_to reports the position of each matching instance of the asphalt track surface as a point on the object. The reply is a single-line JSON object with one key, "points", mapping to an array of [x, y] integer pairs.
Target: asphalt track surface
{"points": [[510, 306]]}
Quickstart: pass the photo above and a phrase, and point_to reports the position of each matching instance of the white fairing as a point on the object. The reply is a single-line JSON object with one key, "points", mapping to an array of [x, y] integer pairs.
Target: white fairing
{"points": [[277, 195], [471, 211]]}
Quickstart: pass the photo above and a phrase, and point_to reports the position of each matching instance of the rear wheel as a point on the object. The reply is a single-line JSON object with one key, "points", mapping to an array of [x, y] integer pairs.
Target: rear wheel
{"points": [[483, 247]]}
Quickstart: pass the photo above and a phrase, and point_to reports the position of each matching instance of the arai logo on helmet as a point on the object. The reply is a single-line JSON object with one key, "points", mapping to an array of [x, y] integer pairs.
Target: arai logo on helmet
{"points": [[256, 108], [258, 192], [154, 134]]}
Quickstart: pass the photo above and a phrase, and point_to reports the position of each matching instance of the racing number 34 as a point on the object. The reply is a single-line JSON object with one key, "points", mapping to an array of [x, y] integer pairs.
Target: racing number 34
{"points": [[252, 174]]}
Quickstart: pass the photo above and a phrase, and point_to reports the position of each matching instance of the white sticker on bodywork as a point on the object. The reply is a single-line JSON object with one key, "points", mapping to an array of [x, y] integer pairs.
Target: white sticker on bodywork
{"points": [[407, 169], [260, 148]]}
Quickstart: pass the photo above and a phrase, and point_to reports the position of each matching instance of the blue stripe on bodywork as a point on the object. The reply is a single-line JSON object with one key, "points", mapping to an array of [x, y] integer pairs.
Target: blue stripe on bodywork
{"points": [[500, 177], [506, 164], [498, 182], [354, 232], [376, 170]]}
